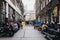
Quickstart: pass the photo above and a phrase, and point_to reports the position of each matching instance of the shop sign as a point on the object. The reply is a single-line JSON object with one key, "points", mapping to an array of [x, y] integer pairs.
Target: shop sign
{"points": [[55, 11]]}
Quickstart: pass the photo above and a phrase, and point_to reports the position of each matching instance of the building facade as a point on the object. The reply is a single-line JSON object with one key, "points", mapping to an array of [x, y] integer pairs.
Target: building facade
{"points": [[37, 9], [50, 11], [10, 10]]}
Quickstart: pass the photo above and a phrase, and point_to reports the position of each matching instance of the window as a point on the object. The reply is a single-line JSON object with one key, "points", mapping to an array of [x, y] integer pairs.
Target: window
{"points": [[47, 2], [13, 1], [2, 13], [10, 13], [41, 6], [43, 3], [55, 11]]}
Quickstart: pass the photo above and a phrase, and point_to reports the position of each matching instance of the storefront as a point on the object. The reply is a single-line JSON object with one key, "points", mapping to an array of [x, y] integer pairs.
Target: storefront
{"points": [[52, 12]]}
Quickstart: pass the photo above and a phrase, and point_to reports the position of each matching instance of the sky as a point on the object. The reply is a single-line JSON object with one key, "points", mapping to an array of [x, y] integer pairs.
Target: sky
{"points": [[29, 5]]}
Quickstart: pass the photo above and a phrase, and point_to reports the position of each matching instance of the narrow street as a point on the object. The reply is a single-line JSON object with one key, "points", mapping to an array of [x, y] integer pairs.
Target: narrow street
{"points": [[17, 18], [27, 33]]}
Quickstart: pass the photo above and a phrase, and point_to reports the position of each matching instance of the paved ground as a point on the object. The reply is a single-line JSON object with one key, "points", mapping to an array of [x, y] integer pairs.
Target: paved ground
{"points": [[27, 33]]}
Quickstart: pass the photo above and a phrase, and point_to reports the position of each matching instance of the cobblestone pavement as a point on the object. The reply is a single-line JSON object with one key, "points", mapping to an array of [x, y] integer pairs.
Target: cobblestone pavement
{"points": [[27, 33]]}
